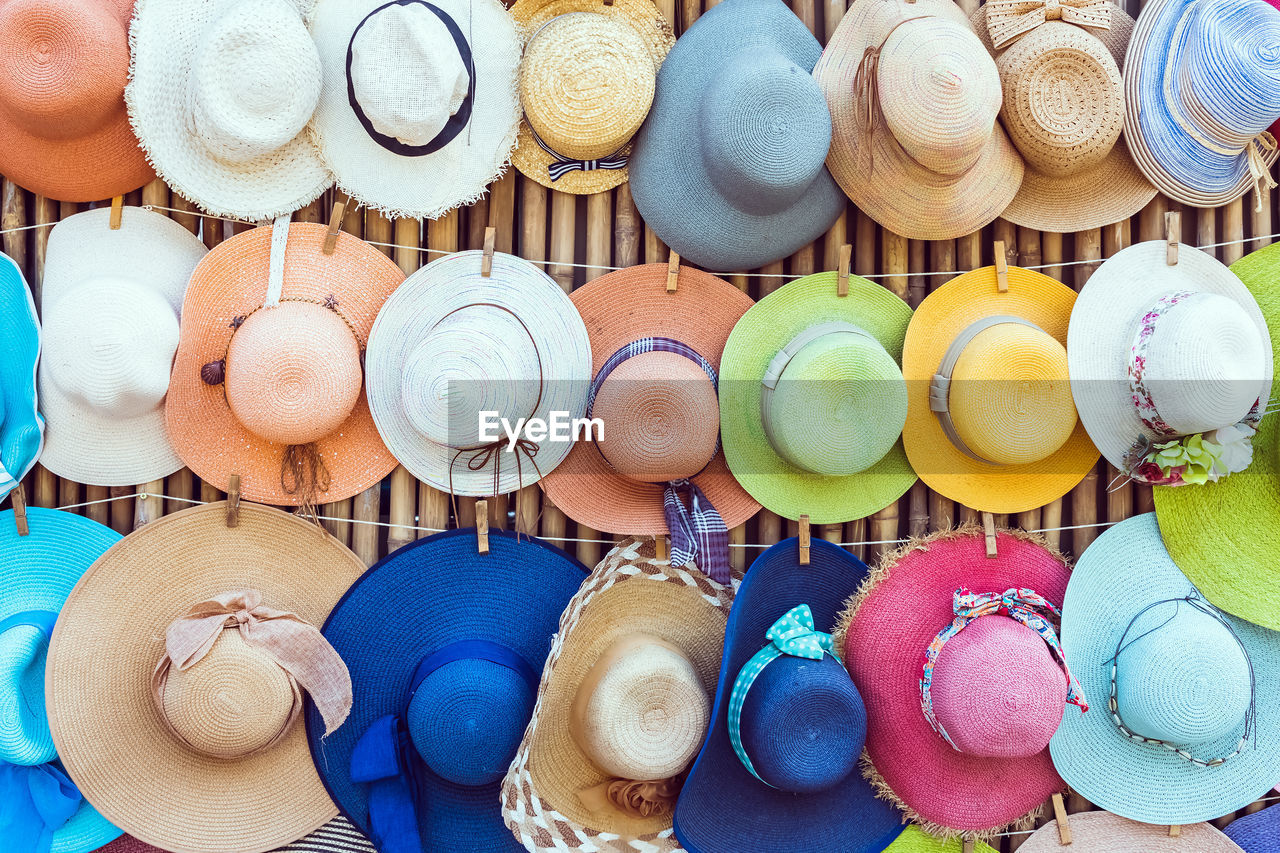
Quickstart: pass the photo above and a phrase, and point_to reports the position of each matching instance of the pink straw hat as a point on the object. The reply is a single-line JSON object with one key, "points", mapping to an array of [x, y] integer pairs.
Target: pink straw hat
{"points": [[916, 642]]}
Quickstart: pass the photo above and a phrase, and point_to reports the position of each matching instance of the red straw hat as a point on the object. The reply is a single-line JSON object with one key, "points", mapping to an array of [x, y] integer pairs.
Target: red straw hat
{"points": [[64, 131]]}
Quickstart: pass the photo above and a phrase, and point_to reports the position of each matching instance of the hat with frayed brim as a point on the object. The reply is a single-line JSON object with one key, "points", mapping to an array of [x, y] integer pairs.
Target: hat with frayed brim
{"points": [[1256, 833], [915, 840], [21, 426], [1103, 832], [812, 400], [419, 109], [1169, 737]]}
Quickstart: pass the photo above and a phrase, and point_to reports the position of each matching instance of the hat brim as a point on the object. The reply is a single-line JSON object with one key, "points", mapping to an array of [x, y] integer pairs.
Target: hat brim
{"points": [[1224, 536], [105, 646], [1257, 832], [617, 309], [232, 281], [763, 331], [1103, 832], [21, 426], [1125, 569], [940, 464], [336, 836], [722, 806], [413, 602]]}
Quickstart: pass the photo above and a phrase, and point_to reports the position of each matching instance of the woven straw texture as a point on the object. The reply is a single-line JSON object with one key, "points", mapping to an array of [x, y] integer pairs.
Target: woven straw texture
{"points": [[915, 840], [1256, 833], [21, 427], [1103, 832], [336, 836]]}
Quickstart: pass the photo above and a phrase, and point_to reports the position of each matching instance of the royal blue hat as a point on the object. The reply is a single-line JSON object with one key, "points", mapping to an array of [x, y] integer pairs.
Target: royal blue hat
{"points": [[1258, 832], [779, 767], [445, 647], [21, 426]]}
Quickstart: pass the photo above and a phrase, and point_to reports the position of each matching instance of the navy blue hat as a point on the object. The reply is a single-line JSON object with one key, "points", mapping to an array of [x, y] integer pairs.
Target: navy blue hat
{"points": [[445, 647], [799, 719]]}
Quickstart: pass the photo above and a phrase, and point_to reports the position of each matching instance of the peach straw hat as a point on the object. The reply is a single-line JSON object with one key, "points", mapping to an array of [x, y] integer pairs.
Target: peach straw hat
{"points": [[622, 710], [914, 99], [1103, 832], [112, 301], [64, 132], [174, 685], [587, 81], [268, 380]]}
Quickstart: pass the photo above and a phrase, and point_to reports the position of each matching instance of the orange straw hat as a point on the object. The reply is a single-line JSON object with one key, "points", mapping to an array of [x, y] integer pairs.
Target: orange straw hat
{"points": [[268, 382], [64, 132]]}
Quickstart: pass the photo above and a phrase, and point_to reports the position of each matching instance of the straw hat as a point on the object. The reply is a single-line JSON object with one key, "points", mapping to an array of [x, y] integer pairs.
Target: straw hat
{"points": [[111, 303], [267, 382], [812, 400], [728, 168], [445, 647], [659, 409], [1103, 832], [587, 81], [1183, 721], [451, 343], [778, 770], [336, 836], [21, 426], [1014, 442], [1256, 833], [622, 709], [37, 571], [221, 94], [915, 840], [419, 110], [169, 752], [933, 163], [64, 132], [1162, 353], [1202, 83]]}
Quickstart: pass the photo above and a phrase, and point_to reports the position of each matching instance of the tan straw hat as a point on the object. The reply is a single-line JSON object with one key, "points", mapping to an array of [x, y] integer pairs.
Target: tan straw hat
{"points": [[623, 707], [1103, 832], [176, 675], [268, 380], [914, 100], [586, 84]]}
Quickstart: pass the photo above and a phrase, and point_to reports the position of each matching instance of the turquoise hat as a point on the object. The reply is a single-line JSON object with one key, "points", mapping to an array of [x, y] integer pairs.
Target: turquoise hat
{"points": [[37, 571], [21, 426]]}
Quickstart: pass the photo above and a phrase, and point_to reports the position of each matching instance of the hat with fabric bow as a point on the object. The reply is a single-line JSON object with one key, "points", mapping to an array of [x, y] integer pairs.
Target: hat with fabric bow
{"points": [[21, 426], [179, 671]]}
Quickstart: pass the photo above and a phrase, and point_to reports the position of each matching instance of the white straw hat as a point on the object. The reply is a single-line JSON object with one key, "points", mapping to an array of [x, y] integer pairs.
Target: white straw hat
{"points": [[111, 304], [220, 95], [419, 109]]}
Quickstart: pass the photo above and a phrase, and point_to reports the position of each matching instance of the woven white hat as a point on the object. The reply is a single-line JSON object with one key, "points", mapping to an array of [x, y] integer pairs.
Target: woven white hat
{"points": [[1157, 352], [419, 110], [220, 95], [111, 304], [451, 343]]}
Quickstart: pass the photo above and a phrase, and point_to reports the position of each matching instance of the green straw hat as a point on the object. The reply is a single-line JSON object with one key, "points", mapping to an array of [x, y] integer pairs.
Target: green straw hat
{"points": [[812, 400]]}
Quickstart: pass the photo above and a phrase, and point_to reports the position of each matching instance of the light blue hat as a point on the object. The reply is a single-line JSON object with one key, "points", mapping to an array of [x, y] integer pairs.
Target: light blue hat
{"points": [[21, 427], [1183, 722], [1202, 84], [40, 809], [728, 167]]}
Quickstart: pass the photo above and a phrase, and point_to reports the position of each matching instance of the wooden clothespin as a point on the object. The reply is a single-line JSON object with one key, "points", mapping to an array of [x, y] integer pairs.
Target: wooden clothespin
{"points": [[660, 547], [486, 260], [1002, 268], [842, 272], [18, 497], [608, 2], [806, 541], [233, 501], [1172, 231], [966, 846], [117, 212], [989, 530], [482, 526], [673, 272], [335, 225], [1175, 831], [1060, 815]]}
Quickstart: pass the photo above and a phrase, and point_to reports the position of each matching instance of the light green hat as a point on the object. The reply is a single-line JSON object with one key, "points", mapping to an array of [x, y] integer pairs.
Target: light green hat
{"points": [[915, 840], [812, 400]]}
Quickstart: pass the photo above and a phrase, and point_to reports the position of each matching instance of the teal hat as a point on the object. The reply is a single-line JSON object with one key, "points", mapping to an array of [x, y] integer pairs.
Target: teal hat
{"points": [[21, 426]]}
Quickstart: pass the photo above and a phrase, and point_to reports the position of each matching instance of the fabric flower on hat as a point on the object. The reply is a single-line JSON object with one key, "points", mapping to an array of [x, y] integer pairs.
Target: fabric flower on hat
{"points": [[1188, 460], [1237, 448]]}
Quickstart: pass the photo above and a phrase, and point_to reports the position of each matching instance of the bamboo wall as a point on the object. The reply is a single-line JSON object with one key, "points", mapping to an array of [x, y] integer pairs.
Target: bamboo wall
{"points": [[575, 239]]}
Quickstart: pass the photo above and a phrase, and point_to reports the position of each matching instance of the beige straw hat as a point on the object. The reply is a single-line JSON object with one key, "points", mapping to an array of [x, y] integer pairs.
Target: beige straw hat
{"points": [[1103, 832], [183, 731], [623, 707], [931, 163], [586, 84]]}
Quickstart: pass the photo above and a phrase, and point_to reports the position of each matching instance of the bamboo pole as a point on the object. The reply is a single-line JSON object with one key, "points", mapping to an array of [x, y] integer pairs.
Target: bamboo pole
{"points": [[442, 236], [366, 507], [148, 509], [884, 523], [1084, 497], [1119, 494], [599, 253], [1051, 250], [942, 258], [917, 289], [1027, 254], [46, 212], [1150, 227]]}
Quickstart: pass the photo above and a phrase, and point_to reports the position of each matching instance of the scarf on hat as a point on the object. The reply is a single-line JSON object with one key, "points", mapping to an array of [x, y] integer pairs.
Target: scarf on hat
{"points": [[35, 802]]}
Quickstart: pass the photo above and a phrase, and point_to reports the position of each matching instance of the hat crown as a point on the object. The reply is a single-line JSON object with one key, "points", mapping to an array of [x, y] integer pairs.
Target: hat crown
{"points": [[1228, 77], [25, 738], [255, 80], [406, 73], [765, 131]]}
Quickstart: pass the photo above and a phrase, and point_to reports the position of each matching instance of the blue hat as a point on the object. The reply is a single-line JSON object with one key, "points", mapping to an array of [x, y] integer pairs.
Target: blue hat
{"points": [[1202, 84], [445, 647], [43, 811], [779, 767], [729, 166], [21, 427], [1258, 832]]}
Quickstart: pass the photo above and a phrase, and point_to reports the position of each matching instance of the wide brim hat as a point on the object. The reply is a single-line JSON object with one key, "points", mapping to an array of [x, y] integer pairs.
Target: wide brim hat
{"points": [[763, 331], [83, 442], [167, 38], [112, 740], [701, 313], [1223, 535], [414, 602], [656, 34], [231, 283], [671, 183], [92, 48], [1103, 832], [1257, 832], [1123, 571], [943, 467], [877, 174], [336, 836], [915, 840], [21, 426], [427, 186], [37, 572], [445, 290]]}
